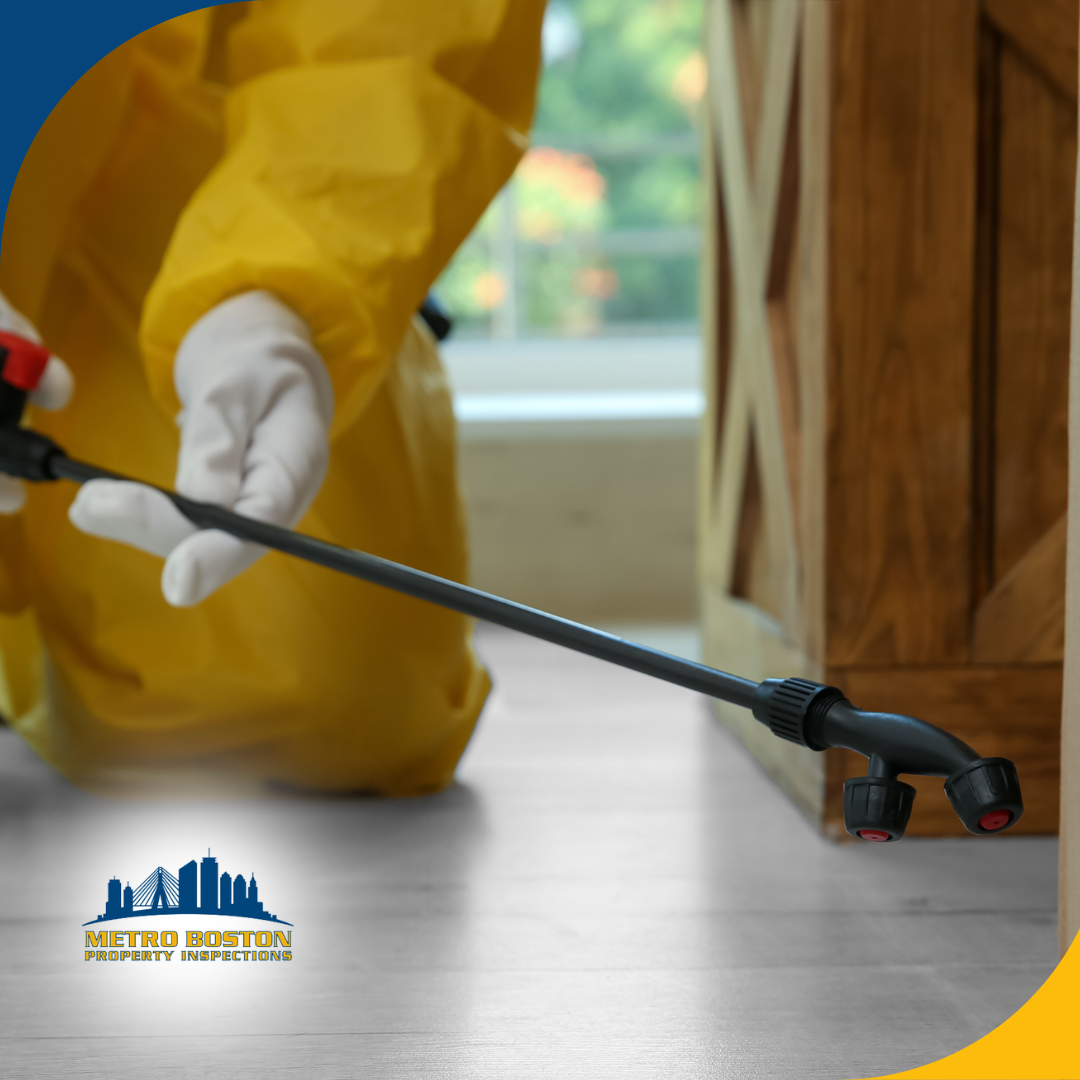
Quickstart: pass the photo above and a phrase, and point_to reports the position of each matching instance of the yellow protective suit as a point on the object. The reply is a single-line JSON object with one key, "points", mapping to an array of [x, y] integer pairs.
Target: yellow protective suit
{"points": [[335, 153]]}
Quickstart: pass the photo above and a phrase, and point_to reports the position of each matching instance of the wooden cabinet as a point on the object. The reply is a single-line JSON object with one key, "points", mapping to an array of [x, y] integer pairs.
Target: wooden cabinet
{"points": [[887, 317]]}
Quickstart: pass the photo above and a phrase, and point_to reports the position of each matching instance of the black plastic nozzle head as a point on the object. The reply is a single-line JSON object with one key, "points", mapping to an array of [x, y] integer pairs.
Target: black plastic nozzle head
{"points": [[985, 794], [877, 808]]}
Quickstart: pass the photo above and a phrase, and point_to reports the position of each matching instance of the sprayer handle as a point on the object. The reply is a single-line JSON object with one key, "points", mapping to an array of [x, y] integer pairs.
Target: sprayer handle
{"points": [[22, 363]]}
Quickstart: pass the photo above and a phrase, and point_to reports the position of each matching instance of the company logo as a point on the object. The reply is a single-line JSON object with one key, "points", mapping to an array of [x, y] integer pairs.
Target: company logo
{"points": [[199, 890]]}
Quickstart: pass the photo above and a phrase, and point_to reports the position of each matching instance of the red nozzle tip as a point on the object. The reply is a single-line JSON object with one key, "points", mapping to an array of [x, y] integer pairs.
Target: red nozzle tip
{"points": [[875, 835], [996, 819]]}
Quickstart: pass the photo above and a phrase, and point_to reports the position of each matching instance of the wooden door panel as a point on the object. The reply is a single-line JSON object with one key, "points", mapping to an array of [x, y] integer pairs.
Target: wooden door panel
{"points": [[751, 498], [1023, 620], [901, 252], [885, 469], [1037, 151], [1046, 30]]}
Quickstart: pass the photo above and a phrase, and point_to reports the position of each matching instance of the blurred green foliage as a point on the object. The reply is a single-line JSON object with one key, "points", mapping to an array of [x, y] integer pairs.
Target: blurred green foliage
{"points": [[619, 81], [615, 149]]}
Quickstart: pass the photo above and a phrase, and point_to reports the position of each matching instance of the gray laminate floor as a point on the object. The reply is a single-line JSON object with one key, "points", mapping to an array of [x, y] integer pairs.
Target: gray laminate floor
{"points": [[613, 889]]}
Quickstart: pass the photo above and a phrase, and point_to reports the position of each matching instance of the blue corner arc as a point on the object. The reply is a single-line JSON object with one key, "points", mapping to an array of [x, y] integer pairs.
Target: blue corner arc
{"points": [[45, 48]]}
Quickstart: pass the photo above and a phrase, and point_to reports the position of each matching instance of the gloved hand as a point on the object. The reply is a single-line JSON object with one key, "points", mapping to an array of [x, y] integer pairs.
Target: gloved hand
{"points": [[257, 406], [53, 392]]}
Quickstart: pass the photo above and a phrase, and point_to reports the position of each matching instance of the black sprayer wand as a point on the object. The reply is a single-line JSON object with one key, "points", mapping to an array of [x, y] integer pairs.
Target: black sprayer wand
{"points": [[984, 792]]}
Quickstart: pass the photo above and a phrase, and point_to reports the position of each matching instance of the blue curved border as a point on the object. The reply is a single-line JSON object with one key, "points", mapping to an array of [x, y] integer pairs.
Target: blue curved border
{"points": [[46, 46]]}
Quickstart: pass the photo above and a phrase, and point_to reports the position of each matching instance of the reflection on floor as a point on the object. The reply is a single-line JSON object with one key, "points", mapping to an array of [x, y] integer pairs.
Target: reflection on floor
{"points": [[613, 889]]}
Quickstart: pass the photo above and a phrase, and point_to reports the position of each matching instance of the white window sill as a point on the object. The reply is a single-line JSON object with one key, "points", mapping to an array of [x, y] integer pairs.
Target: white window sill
{"points": [[622, 388]]}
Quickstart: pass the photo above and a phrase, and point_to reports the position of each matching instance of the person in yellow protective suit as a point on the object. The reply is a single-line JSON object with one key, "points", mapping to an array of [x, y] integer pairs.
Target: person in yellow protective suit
{"points": [[319, 160]]}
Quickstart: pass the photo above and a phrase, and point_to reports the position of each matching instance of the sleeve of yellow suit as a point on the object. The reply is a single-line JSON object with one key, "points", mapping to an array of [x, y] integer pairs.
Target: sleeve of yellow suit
{"points": [[364, 138]]}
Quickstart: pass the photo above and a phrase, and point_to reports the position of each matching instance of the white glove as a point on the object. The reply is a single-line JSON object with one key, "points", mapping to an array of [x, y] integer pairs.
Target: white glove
{"points": [[253, 438], [53, 392]]}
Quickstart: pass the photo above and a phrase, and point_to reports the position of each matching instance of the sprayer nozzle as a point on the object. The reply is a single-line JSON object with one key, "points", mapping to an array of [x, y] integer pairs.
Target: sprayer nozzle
{"points": [[985, 794], [877, 808]]}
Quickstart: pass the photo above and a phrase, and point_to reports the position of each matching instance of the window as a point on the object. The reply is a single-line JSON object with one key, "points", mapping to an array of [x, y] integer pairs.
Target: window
{"points": [[598, 233]]}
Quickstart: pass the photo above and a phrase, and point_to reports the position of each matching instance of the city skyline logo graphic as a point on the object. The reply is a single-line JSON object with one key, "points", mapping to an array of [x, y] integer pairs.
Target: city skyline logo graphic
{"points": [[195, 890]]}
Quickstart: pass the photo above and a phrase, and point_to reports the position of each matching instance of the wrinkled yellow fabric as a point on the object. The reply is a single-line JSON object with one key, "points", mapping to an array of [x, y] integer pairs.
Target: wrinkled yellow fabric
{"points": [[334, 152]]}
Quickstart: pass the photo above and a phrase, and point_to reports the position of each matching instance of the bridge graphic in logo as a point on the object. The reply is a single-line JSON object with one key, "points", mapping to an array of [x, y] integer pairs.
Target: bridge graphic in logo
{"points": [[162, 894]]}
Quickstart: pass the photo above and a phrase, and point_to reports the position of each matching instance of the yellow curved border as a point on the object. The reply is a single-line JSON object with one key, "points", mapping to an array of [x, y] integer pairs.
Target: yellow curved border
{"points": [[1041, 1041]]}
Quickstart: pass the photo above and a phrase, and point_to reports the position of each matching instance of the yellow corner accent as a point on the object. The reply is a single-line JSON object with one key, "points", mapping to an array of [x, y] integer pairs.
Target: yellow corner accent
{"points": [[1037, 1043]]}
